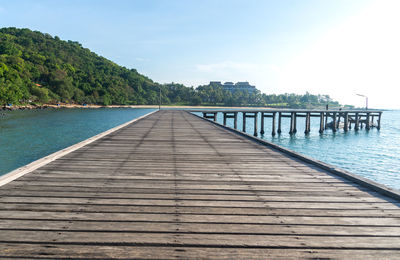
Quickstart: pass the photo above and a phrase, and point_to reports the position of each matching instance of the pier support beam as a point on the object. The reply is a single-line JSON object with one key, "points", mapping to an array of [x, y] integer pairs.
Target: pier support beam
{"points": [[235, 120], [244, 121], [367, 124], [346, 121], [225, 119], [308, 122], [326, 120], [292, 123], [262, 123], [334, 122], [295, 123], [255, 123], [273, 124], [321, 123], [230, 115], [279, 122], [357, 123], [263, 116], [379, 121], [251, 115]]}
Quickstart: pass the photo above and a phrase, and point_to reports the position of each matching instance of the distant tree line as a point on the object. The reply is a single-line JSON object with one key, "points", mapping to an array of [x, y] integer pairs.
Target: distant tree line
{"points": [[215, 95], [36, 67]]}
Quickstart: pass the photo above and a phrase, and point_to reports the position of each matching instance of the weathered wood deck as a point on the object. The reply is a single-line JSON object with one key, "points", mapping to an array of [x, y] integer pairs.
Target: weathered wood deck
{"points": [[175, 186]]}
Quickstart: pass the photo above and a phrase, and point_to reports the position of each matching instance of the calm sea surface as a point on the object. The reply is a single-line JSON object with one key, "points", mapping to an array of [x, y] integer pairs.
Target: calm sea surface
{"points": [[26, 136], [29, 135]]}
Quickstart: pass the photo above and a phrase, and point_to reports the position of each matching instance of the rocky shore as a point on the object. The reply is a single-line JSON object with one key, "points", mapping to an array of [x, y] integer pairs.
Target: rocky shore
{"points": [[11, 108]]}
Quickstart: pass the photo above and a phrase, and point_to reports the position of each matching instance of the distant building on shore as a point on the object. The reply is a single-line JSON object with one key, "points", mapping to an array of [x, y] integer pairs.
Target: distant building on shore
{"points": [[239, 86]]}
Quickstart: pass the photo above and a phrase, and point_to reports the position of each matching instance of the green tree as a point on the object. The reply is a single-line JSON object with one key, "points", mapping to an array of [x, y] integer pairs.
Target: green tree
{"points": [[69, 72], [41, 93]]}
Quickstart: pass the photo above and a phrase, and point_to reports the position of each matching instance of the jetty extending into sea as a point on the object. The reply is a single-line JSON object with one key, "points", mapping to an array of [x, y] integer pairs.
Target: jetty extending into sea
{"points": [[172, 185], [357, 118]]}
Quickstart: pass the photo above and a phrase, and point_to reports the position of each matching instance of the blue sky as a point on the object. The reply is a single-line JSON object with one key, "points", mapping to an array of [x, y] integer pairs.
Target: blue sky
{"points": [[337, 47]]}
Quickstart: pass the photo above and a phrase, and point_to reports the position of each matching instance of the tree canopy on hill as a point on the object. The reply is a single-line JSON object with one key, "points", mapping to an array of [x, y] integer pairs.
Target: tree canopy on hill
{"points": [[36, 67]]}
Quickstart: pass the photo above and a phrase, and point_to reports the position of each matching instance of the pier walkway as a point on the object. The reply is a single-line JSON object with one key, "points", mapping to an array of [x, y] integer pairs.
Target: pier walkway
{"points": [[174, 186]]}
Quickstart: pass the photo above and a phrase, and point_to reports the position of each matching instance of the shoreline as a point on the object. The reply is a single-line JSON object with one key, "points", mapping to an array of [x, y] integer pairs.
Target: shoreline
{"points": [[91, 106], [45, 106]]}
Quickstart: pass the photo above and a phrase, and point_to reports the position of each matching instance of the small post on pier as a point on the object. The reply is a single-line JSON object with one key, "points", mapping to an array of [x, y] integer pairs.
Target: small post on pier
{"points": [[295, 123], [346, 121], [244, 121], [255, 123], [262, 123], [235, 119], [357, 123], [321, 122], [292, 119], [367, 124], [224, 118], [273, 124], [279, 122], [326, 120], [308, 119], [379, 121], [334, 122]]}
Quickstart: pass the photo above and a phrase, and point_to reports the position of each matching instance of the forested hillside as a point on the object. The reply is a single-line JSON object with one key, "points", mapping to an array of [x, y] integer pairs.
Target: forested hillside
{"points": [[40, 68]]}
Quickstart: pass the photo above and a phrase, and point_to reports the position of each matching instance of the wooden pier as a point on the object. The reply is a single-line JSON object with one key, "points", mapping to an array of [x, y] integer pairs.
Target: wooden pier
{"points": [[176, 186], [355, 118]]}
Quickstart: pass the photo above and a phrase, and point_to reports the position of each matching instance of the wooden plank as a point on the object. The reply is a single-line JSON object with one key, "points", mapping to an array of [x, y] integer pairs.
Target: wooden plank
{"points": [[203, 240], [28, 251], [173, 186], [248, 211], [315, 197], [202, 228], [204, 203], [232, 219]]}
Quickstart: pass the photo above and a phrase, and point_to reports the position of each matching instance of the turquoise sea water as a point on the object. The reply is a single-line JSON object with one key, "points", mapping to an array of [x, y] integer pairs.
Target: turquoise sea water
{"points": [[26, 136]]}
